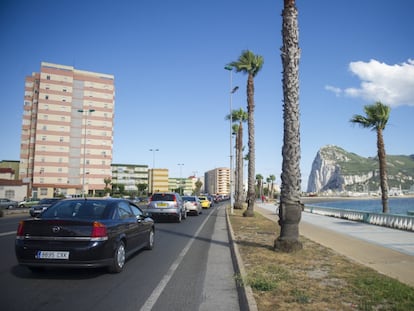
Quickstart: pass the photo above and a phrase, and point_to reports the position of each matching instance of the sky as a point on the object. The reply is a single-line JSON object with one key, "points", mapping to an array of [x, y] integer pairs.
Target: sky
{"points": [[173, 93]]}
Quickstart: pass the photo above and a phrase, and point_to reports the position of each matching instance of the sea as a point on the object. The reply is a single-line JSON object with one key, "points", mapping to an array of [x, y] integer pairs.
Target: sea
{"points": [[398, 206]]}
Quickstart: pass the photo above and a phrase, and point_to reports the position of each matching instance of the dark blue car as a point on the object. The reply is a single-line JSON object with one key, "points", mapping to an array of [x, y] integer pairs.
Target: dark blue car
{"points": [[84, 233]]}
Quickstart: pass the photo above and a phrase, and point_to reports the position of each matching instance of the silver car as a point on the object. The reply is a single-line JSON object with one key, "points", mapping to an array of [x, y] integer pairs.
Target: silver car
{"points": [[7, 203], [192, 204], [166, 205]]}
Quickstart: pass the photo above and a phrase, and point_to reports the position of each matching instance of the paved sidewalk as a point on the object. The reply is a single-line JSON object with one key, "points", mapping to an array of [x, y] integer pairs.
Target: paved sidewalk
{"points": [[220, 291], [389, 251]]}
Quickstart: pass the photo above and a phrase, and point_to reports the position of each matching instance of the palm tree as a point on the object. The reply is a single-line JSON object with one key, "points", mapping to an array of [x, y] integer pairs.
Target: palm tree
{"points": [[376, 118], [272, 179], [259, 179], [249, 64], [290, 209], [107, 181], [239, 116]]}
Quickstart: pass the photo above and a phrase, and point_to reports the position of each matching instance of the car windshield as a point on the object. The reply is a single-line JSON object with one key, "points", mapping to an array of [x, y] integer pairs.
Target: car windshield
{"points": [[202, 198], [163, 197], [84, 209]]}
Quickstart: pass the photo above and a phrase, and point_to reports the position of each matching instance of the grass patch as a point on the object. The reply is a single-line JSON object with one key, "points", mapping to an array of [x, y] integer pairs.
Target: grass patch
{"points": [[314, 278]]}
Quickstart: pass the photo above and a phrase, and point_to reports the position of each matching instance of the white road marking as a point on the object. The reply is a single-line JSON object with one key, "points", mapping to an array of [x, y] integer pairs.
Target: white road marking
{"points": [[156, 293], [8, 233]]}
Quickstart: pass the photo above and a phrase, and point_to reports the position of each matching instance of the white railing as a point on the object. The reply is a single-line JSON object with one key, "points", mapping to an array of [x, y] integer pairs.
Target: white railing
{"points": [[386, 220]]}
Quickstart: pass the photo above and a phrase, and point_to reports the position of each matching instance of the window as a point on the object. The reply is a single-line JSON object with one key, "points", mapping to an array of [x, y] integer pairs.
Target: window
{"points": [[43, 191], [137, 212], [61, 139], [124, 211], [46, 96], [9, 194], [48, 77]]}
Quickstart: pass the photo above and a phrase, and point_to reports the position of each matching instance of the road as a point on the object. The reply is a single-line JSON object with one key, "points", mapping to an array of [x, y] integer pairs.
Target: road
{"points": [[169, 277]]}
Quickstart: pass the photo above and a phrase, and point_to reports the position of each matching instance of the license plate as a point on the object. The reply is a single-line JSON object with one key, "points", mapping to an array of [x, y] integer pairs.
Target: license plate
{"points": [[52, 255], [162, 205]]}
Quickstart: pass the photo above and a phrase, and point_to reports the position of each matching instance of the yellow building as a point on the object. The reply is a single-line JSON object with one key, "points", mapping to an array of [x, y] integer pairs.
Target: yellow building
{"points": [[158, 180]]}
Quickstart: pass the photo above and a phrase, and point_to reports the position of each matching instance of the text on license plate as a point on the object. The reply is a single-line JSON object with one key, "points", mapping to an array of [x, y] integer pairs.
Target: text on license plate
{"points": [[52, 255], [162, 205]]}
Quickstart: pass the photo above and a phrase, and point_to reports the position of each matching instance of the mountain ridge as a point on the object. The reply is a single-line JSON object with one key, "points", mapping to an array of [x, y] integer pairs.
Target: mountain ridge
{"points": [[338, 170]]}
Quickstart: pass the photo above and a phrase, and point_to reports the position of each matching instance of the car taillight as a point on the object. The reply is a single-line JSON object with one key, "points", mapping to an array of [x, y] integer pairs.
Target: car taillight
{"points": [[99, 232], [20, 230]]}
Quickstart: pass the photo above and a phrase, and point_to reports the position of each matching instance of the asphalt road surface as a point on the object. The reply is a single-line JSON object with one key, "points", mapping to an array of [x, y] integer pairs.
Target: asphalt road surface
{"points": [[169, 277]]}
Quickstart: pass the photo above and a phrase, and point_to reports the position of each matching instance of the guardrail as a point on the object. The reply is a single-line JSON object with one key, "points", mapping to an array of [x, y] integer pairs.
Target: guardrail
{"points": [[386, 220]]}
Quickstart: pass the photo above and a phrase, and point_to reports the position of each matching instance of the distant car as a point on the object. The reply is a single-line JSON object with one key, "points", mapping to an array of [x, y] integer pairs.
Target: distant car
{"points": [[84, 233], [36, 210], [205, 203], [192, 205], [211, 199], [28, 203], [7, 203], [166, 205]]}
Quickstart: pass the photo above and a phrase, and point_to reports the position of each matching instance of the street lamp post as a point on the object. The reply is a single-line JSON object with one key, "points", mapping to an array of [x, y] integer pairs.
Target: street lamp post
{"points": [[232, 90], [181, 189], [88, 111], [153, 166]]}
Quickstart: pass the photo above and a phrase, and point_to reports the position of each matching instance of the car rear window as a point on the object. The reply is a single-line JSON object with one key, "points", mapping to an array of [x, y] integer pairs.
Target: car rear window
{"points": [[163, 197], [76, 209], [189, 199]]}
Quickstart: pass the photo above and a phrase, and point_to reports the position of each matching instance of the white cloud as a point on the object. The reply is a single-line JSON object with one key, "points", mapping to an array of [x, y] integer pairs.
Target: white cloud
{"points": [[393, 85], [333, 89]]}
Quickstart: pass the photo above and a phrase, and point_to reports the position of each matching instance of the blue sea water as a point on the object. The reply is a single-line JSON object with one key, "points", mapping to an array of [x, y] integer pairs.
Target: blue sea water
{"points": [[396, 205]]}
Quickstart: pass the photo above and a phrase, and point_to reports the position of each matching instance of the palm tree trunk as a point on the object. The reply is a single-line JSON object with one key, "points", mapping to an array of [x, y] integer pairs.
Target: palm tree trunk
{"points": [[239, 168], [290, 206], [383, 170], [251, 193]]}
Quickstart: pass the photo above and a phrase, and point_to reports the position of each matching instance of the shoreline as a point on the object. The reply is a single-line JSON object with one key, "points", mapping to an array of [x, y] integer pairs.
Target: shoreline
{"points": [[309, 200]]}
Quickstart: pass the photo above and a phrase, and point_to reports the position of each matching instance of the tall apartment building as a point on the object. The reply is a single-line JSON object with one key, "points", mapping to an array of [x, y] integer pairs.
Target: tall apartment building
{"points": [[217, 181], [67, 131]]}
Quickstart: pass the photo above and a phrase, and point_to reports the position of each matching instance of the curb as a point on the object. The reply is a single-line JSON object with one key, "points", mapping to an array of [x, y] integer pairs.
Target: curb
{"points": [[246, 298], [14, 212]]}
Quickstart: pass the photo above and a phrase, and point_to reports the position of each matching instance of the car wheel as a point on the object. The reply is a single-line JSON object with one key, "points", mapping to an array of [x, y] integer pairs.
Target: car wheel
{"points": [[22, 206], [118, 260], [150, 241], [185, 215], [179, 217]]}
